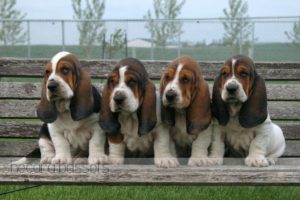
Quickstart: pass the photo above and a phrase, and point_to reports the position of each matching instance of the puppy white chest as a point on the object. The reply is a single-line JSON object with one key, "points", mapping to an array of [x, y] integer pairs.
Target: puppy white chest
{"points": [[129, 128], [179, 133], [78, 133], [238, 137]]}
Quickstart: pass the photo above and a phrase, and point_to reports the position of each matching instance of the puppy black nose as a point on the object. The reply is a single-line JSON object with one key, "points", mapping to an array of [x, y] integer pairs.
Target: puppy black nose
{"points": [[171, 95], [119, 98], [231, 88], [52, 86]]}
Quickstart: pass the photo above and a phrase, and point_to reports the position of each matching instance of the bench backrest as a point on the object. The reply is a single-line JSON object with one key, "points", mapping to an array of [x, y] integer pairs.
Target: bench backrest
{"points": [[20, 82]]}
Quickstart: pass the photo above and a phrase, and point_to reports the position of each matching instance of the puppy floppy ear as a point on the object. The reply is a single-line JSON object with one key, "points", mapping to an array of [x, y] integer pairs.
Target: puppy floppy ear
{"points": [[82, 103], [167, 114], [254, 111], [108, 120], [46, 110], [219, 108], [198, 114], [147, 111]]}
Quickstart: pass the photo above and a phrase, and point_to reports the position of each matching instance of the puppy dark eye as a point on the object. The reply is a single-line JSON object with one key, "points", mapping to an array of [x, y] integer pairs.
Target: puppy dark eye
{"points": [[65, 70], [185, 80], [167, 77], [224, 74], [131, 82], [243, 74], [47, 73]]}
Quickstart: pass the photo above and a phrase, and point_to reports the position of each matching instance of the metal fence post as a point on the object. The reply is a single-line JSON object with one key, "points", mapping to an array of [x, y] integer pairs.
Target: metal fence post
{"points": [[28, 40], [63, 34]]}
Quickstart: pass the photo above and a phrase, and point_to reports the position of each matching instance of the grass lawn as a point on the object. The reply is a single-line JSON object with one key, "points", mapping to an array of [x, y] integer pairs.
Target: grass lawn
{"points": [[153, 192], [262, 52]]}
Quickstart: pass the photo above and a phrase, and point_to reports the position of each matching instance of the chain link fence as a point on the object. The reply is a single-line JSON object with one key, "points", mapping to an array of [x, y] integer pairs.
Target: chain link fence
{"points": [[202, 39]]}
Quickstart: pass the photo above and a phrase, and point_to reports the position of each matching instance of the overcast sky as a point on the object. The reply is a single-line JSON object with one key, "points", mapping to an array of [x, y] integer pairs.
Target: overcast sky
{"points": [[136, 9]]}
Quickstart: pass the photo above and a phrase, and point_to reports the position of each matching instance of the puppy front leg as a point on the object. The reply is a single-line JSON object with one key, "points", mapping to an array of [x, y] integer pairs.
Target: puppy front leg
{"points": [[217, 146], [61, 146], [199, 156], [162, 145], [97, 147], [116, 149], [258, 148]]}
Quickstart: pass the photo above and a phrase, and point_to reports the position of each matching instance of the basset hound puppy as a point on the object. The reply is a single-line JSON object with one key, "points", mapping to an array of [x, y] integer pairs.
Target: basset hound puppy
{"points": [[186, 108], [239, 103], [130, 114], [69, 107]]}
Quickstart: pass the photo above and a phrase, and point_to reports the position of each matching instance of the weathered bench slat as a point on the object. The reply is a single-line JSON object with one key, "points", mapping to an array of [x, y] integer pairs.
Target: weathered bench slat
{"points": [[27, 109], [22, 148], [32, 90], [149, 174], [100, 69], [31, 129]]}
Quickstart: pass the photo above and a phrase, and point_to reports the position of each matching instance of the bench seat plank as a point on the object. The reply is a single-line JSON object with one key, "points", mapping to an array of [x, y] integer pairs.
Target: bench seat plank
{"points": [[149, 174]]}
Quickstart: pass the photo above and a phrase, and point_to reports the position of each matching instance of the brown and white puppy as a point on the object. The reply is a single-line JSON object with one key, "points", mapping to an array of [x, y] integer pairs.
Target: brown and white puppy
{"points": [[70, 108], [239, 103], [186, 108], [130, 114]]}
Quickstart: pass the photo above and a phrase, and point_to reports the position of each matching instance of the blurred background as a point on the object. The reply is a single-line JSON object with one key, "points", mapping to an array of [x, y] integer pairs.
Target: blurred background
{"points": [[151, 29]]}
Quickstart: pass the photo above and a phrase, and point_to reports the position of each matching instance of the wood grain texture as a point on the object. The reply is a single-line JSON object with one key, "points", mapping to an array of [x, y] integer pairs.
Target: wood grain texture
{"points": [[21, 90], [149, 174], [281, 110], [101, 68], [22, 148]]}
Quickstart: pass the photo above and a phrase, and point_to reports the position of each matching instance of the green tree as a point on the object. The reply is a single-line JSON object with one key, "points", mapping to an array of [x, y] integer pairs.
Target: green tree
{"points": [[237, 26], [116, 42], [294, 35], [91, 28], [169, 29], [11, 31]]}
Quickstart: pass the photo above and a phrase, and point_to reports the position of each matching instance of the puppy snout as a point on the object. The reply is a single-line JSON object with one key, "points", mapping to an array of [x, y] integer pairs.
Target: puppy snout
{"points": [[119, 98], [52, 86], [231, 88], [171, 95]]}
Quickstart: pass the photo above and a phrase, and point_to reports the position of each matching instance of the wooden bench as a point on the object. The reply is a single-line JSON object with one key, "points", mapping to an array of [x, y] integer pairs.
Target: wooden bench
{"points": [[20, 82]]}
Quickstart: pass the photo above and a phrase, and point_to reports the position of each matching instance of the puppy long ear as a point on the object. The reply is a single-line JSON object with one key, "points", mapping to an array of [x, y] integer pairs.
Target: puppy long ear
{"points": [[147, 111], [108, 120], [46, 110], [198, 114], [167, 114], [219, 108], [254, 111], [82, 103]]}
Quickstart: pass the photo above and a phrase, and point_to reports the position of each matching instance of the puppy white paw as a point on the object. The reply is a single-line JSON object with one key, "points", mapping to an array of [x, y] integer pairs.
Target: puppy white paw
{"points": [[98, 159], [259, 161], [199, 161], [116, 160], [166, 162], [47, 159], [62, 159], [216, 161]]}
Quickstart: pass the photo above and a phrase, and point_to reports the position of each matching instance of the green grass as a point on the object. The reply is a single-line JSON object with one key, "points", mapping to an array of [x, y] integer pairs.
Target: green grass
{"points": [[262, 52], [154, 192]]}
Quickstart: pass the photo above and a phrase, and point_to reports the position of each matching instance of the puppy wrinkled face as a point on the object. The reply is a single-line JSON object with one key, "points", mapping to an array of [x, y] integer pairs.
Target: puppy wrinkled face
{"points": [[235, 81], [60, 80], [178, 81], [126, 94]]}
